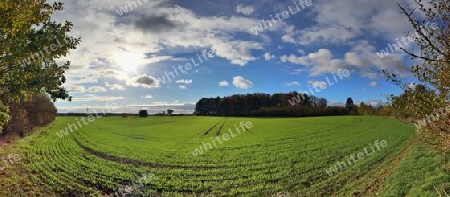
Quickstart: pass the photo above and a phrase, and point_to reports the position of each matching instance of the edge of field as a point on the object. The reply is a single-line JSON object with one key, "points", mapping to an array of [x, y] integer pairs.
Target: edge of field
{"points": [[374, 181], [415, 169], [17, 180]]}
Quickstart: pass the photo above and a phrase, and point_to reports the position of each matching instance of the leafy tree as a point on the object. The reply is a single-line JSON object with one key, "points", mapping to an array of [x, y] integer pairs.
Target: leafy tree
{"points": [[4, 116], [387, 110], [363, 108], [430, 21], [30, 44], [36, 111], [420, 93]]}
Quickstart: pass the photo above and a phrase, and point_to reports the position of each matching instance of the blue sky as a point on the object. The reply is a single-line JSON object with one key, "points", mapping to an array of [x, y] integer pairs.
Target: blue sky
{"points": [[125, 50]]}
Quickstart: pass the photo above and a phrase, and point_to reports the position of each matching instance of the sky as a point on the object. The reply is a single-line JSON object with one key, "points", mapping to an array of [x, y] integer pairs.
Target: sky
{"points": [[168, 54]]}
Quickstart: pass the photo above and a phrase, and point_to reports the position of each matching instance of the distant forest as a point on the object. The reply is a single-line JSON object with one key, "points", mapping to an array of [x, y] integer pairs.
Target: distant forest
{"points": [[280, 104]]}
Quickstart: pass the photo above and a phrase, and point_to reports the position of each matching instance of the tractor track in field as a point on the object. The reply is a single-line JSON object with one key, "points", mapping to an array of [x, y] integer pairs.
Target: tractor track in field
{"points": [[136, 163], [210, 129], [220, 128], [245, 129]]}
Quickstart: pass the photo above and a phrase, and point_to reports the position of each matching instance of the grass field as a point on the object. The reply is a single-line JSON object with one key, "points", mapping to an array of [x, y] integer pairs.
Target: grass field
{"points": [[289, 155]]}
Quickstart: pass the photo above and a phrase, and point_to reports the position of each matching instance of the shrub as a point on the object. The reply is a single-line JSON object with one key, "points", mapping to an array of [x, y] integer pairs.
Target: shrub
{"points": [[35, 111]]}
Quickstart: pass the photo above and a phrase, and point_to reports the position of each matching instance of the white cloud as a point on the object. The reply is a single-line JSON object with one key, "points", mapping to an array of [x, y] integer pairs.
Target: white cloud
{"points": [[113, 73], [345, 23], [147, 97], [374, 103], [267, 56], [242, 83], [76, 88], [94, 98], [340, 22], [296, 71], [122, 43], [283, 58], [155, 59], [317, 83], [182, 87], [363, 56], [160, 103], [373, 84], [184, 81], [114, 86], [224, 83], [412, 85], [164, 104], [370, 75], [96, 89], [301, 51], [143, 81], [329, 35], [288, 39], [180, 59], [296, 60], [321, 62], [293, 83], [246, 10], [239, 52]]}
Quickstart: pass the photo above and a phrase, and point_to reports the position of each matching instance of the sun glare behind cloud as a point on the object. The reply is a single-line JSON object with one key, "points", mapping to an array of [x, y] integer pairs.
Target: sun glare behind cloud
{"points": [[128, 61]]}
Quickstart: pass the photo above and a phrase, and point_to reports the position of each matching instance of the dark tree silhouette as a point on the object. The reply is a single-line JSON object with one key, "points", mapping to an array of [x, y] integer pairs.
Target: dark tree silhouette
{"points": [[259, 104], [349, 104], [143, 113]]}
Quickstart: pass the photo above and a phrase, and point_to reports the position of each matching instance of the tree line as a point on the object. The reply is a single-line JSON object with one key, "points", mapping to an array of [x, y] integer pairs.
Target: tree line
{"points": [[36, 111], [280, 104]]}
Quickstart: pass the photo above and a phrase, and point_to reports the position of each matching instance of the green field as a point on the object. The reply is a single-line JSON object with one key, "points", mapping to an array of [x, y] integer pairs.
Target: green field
{"points": [[274, 155]]}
